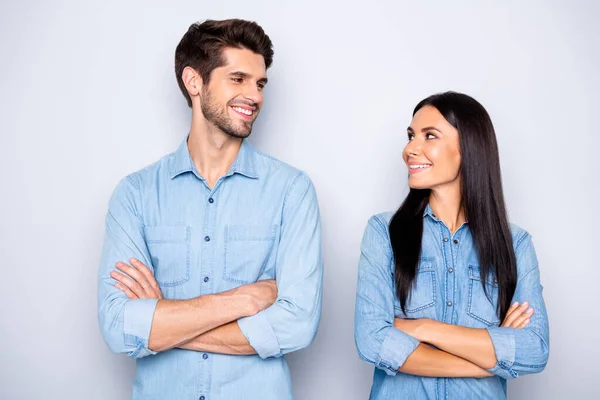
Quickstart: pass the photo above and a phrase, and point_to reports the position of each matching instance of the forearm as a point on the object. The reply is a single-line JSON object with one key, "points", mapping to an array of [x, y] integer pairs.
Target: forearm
{"points": [[178, 321], [471, 344], [225, 339], [427, 361]]}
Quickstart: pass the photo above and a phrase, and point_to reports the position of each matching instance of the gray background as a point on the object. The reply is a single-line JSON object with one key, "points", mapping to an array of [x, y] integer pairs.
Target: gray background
{"points": [[88, 95]]}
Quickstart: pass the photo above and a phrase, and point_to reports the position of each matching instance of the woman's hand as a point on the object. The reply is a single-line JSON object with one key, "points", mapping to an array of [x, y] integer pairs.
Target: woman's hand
{"points": [[518, 316]]}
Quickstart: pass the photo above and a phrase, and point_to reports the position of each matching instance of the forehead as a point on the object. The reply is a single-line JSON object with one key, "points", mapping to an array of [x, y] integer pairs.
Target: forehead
{"points": [[428, 116], [243, 60]]}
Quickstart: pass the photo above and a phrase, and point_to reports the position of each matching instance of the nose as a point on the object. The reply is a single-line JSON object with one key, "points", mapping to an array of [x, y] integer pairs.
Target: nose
{"points": [[253, 93], [412, 148]]}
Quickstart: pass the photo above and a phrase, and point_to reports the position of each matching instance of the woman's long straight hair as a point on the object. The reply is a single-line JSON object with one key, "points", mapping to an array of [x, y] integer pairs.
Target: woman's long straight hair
{"points": [[482, 199]]}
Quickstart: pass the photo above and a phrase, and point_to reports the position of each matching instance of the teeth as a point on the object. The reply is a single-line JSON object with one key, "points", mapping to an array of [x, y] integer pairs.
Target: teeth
{"points": [[416, 166], [242, 110]]}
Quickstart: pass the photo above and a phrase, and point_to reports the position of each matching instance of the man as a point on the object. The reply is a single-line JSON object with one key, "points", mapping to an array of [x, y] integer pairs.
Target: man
{"points": [[224, 243]]}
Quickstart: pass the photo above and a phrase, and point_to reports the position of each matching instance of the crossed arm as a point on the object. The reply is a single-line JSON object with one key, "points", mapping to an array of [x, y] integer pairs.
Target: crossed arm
{"points": [[173, 324], [267, 318], [518, 346]]}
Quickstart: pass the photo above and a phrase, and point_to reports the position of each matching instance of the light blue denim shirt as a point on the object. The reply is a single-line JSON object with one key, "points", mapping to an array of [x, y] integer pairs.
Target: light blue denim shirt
{"points": [[448, 289], [260, 221]]}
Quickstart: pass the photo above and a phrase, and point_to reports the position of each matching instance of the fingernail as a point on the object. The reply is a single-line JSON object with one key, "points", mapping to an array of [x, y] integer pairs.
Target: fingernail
{"points": [[527, 321], [133, 260], [529, 310], [525, 304], [514, 304]]}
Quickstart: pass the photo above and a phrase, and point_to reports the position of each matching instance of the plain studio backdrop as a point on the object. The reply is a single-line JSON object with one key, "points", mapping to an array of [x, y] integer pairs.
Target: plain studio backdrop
{"points": [[88, 95]]}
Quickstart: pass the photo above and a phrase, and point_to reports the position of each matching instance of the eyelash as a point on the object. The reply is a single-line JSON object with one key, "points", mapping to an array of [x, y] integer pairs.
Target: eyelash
{"points": [[261, 86], [411, 136]]}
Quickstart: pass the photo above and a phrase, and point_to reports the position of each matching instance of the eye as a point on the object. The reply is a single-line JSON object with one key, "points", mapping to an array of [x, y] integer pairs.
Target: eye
{"points": [[411, 136], [237, 80], [431, 136], [261, 86]]}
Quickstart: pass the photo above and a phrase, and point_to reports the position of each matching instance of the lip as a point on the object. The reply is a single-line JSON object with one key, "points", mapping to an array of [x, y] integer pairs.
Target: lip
{"points": [[413, 171], [242, 115]]}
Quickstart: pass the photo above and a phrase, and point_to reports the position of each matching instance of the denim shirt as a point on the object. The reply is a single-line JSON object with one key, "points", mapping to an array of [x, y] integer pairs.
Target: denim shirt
{"points": [[448, 289], [259, 221]]}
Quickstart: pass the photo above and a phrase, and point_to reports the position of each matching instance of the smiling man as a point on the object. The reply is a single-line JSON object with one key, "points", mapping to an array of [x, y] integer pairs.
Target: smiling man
{"points": [[212, 269]]}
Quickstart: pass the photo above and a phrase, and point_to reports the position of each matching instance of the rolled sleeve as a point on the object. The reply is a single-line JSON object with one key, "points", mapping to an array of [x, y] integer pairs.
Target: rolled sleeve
{"points": [[125, 324], [291, 323], [503, 340], [137, 322], [526, 350], [259, 333], [395, 349], [377, 340]]}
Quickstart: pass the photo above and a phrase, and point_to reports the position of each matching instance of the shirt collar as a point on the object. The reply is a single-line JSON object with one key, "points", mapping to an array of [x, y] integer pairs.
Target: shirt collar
{"points": [[244, 163], [428, 211]]}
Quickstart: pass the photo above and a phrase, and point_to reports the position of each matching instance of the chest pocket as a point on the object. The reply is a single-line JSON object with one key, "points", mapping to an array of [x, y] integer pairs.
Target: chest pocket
{"points": [[482, 307], [421, 301], [169, 248], [248, 250]]}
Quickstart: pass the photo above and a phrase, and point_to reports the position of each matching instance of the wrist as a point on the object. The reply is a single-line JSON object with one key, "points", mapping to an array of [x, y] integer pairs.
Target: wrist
{"points": [[426, 330]]}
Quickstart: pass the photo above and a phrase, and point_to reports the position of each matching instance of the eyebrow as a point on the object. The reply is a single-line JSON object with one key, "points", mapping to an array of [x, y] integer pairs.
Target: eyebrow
{"points": [[241, 74], [427, 128]]}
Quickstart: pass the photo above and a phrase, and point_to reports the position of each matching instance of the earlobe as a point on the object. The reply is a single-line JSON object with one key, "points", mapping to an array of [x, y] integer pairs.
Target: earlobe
{"points": [[192, 81]]}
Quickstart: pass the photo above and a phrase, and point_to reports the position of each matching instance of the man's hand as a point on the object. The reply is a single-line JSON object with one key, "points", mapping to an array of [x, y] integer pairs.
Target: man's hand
{"points": [[260, 295], [136, 280], [517, 316]]}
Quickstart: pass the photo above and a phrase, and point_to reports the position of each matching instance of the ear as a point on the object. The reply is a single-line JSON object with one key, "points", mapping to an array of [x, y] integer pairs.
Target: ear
{"points": [[192, 81]]}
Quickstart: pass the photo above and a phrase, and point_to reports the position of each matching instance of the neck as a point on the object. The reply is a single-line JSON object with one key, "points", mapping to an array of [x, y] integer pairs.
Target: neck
{"points": [[212, 150], [446, 203]]}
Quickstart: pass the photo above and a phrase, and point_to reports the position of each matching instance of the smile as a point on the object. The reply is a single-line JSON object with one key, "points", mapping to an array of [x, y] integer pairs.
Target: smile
{"points": [[243, 111], [415, 168]]}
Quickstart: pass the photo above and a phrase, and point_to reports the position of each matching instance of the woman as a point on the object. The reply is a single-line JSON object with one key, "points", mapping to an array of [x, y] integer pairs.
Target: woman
{"points": [[449, 302]]}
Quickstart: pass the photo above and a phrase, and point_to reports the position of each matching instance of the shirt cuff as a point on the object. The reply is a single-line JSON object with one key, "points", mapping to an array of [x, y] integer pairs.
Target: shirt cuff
{"points": [[395, 349], [137, 321], [259, 333], [503, 340]]}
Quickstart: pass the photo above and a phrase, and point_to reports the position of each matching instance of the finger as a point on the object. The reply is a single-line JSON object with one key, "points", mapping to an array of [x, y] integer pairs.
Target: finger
{"points": [[125, 290], [128, 283], [138, 277], [524, 324], [523, 317], [510, 310], [144, 270], [515, 314]]}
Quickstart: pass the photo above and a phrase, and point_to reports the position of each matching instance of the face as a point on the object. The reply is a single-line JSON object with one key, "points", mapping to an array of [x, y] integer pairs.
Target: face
{"points": [[432, 154], [234, 96]]}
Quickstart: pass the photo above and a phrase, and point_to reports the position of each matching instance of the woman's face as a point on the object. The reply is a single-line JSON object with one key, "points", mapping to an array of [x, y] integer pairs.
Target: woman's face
{"points": [[432, 154]]}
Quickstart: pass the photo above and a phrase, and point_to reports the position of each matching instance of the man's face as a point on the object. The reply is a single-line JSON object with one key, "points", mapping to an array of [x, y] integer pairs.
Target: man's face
{"points": [[234, 96]]}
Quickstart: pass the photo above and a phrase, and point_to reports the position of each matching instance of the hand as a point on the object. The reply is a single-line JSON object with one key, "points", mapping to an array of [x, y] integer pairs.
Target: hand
{"points": [[517, 316], [136, 280], [413, 327], [260, 295]]}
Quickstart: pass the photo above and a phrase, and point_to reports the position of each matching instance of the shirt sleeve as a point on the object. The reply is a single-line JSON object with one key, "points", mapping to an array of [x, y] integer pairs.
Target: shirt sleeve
{"points": [[377, 341], [291, 322], [125, 324], [524, 351]]}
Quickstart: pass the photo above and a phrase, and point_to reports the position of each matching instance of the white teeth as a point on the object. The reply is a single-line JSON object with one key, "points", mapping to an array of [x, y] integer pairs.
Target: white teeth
{"points": [[419, 166], [242, 110]]}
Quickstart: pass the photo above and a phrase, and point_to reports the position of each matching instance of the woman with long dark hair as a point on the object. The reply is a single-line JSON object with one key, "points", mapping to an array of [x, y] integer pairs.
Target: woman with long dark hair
{"points": [[449, 302]]}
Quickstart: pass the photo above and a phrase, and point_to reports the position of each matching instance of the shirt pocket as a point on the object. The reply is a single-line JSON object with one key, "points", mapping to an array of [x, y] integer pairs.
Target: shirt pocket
{"points": [[482, 307], [169, 248], [247, 251], [421, 300]]}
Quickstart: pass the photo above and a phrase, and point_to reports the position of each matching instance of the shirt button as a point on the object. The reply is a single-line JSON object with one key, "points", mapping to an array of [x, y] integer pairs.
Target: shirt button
{"points": [[205, 356], [449, 304], [206, 279], [455, 241], [445, 239], [201, 398], [206, 238], [450, 269], [211, 200]]}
